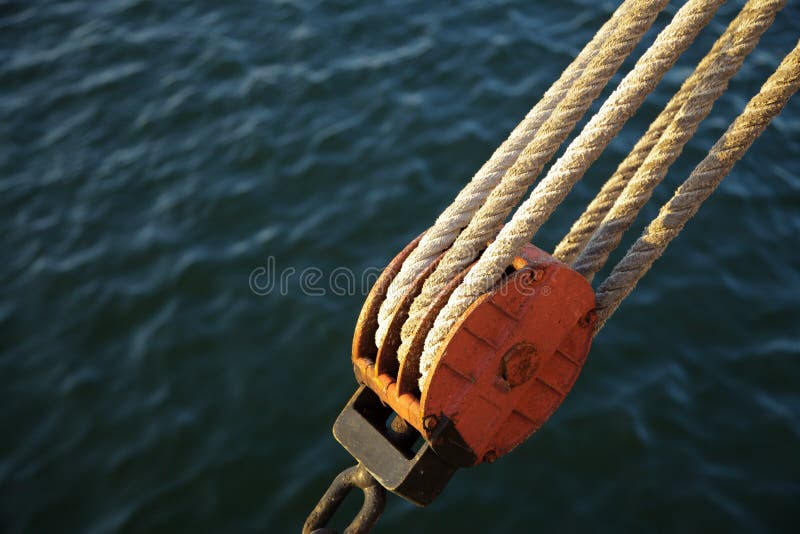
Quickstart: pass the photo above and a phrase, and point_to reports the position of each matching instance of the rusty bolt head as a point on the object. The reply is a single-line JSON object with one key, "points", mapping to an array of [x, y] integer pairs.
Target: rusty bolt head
{"points": [[528, 277], [490, 457], [519, 364], [430, 422]]}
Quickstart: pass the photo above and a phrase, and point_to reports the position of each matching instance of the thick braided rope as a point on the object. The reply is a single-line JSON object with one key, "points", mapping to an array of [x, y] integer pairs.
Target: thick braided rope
{"points": [[518, 178], [583, 150], [705, 178], [683, 127], [457, 216], [583, 228]]}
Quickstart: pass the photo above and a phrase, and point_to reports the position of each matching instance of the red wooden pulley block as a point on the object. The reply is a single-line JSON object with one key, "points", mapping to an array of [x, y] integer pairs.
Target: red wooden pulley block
{"points": [[505, 367]]}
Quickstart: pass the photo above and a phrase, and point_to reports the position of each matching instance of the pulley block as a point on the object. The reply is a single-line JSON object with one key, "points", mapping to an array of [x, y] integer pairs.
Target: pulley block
{"points": [[502, 371]]}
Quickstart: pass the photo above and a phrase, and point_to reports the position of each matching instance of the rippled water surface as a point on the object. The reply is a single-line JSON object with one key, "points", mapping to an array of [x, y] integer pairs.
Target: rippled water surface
{"points": [[153, 154]]}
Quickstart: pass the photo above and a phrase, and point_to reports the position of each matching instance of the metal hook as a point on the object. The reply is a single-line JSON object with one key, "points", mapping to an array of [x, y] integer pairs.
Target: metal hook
{"points": [[374, 502]]}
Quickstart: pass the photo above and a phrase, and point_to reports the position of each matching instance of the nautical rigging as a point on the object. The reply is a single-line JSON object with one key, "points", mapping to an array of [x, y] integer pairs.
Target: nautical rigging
{"points": [[472, 337]]}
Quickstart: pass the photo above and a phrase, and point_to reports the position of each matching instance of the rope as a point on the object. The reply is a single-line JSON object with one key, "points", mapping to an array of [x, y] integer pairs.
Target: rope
{"points": [[582, 230], [705, 178], [622, 103], [487, 220], [450, 223], [640, 188]]}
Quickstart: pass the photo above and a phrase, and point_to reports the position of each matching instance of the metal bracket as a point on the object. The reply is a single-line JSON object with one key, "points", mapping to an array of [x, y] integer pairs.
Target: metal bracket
{"points": [[418, 476]]}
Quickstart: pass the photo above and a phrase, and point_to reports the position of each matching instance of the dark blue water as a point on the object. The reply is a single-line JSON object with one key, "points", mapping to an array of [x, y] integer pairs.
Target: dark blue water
{"points": [[153, 154]]}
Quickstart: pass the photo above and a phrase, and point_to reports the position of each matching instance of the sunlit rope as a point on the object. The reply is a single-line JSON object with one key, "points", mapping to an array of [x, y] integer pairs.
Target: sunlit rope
{"points": [[502, 200], [705, 178], [458, 215], [713, 83], [584, 149], [580, 232]]}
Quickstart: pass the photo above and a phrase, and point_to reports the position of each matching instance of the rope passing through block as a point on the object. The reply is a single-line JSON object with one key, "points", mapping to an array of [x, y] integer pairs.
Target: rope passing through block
{"points": [[539, 134], [472, 337], [505, 368]]}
